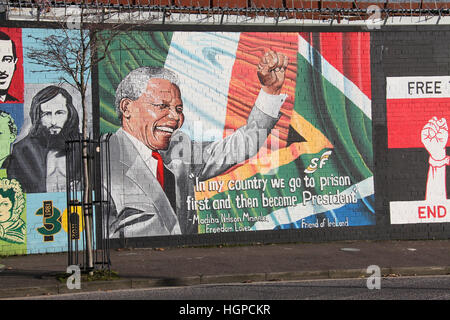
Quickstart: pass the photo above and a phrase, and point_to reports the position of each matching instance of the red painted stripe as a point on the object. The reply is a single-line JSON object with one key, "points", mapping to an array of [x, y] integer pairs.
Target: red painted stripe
{"points": [[407, 117], [356, 46], [349, 53]]}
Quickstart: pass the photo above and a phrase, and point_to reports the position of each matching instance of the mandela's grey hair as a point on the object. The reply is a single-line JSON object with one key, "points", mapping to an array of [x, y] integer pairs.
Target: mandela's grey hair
{"points": [[134, 84]]}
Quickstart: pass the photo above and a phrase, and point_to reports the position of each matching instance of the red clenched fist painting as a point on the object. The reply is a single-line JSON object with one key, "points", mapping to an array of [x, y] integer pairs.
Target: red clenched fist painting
{"points": [[417, 109]]}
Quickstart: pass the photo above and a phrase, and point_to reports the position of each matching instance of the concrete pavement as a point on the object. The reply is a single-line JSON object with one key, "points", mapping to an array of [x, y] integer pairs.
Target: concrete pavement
{"points": [[32, 275]]}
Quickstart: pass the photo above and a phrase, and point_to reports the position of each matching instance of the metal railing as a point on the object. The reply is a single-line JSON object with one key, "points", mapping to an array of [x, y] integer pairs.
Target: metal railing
{"points": [[97, 185]]}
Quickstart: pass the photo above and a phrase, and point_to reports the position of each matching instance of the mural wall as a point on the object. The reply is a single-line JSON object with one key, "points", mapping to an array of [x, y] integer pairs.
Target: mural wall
{"points": [[37, 114], [219, 132], [417, 116], [227, 132]]}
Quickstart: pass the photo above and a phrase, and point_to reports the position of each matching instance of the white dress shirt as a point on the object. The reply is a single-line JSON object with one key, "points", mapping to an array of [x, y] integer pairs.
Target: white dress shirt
{"points": [[145, 152]]}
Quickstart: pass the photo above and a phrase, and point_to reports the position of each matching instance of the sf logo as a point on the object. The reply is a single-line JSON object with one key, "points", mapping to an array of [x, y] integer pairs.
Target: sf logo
{"points": [[318, 163]]}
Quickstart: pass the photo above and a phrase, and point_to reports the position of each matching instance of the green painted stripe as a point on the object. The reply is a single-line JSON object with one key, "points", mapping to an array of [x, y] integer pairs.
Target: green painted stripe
{"points": [[127, 52]]}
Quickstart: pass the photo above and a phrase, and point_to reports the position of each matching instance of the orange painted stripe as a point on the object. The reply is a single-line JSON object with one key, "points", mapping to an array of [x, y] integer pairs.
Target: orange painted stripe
{"points": [[266, 162]]}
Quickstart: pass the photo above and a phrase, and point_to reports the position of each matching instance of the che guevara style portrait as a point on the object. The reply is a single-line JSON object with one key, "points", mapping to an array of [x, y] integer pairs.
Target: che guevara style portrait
{"points": [[9, 63]]}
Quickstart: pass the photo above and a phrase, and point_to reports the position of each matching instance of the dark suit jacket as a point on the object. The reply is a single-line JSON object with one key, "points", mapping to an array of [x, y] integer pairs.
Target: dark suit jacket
{"points": [[10, 98], [27, 163]]}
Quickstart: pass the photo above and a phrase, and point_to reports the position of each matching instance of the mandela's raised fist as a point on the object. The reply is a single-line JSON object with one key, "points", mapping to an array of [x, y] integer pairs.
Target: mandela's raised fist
{"points": [[271, 71]]}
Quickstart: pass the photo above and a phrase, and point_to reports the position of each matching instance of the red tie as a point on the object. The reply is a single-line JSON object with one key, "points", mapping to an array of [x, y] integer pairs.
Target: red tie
{"points": [[160, 168]]}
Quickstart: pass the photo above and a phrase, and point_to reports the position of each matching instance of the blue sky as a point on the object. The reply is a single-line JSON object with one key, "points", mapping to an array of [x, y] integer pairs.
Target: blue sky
{"points": [[30, 74]]}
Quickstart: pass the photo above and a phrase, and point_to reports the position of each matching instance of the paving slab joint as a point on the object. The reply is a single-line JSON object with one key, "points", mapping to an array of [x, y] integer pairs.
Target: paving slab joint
{"points": [[29, 291], [419, 271], [232, 278], [347, 273], [165, 282]]}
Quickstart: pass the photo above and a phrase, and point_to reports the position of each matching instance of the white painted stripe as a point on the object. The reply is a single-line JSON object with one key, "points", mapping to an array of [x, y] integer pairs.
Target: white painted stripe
{"points": [[203, 62], [336, 78], [403, 212], [362, 189], [417, 87]]}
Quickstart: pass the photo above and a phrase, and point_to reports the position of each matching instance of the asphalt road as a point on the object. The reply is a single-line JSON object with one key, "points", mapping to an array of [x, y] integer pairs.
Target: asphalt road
{"points": [[400, 288]]}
